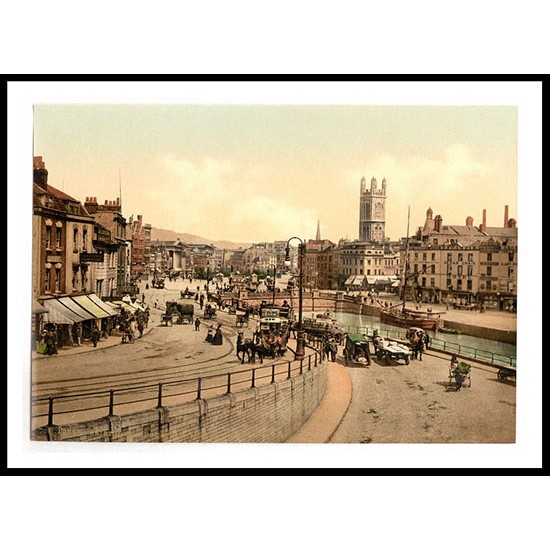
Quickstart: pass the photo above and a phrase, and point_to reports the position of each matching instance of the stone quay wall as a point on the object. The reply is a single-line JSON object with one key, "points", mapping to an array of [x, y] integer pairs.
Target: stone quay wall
{"points": [[264, 414]]}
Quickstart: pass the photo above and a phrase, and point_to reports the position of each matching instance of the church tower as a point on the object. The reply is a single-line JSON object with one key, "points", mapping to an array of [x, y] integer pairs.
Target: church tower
{"points": [[372, 213]]}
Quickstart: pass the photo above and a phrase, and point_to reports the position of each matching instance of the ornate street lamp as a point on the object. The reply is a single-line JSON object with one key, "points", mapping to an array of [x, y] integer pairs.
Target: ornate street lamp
{"points": [[301, 252]]}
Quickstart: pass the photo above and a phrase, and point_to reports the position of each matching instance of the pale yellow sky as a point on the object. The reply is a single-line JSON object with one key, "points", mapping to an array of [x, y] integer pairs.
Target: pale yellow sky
{"points": [[268, 172]]}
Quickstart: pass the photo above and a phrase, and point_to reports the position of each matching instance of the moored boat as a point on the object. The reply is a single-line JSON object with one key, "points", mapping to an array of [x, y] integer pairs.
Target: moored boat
{"points": [[405, 318]]}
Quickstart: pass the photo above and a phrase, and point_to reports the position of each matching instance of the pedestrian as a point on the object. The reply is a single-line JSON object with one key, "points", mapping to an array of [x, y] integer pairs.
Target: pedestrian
{"points": [[333, 351], [210, 334], [143, 298], [420, 348], [427, 342], [95, 335], [77, 333], [49, 339], [140, 327], [197, 324]]}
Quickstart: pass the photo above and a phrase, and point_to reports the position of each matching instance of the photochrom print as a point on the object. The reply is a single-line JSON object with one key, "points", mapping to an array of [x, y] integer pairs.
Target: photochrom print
{"points": [[274, 273]]}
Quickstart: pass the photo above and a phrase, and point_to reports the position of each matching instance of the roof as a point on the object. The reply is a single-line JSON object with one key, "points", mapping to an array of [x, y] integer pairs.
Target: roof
{"points": [[357, 338]]}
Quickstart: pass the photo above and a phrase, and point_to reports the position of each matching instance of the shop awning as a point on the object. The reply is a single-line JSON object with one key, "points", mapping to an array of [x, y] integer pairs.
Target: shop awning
{"points": [[126, 305], [74, 307], [103, 305], [38, 308], [59, 314], [89, 306], [358, 280], [349, 280]]}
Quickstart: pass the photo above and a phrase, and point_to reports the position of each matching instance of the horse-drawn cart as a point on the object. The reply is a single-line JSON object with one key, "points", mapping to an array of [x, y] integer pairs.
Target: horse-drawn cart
{"points": [[166, 320], [388, 350], [505, 372], [356, 351]]}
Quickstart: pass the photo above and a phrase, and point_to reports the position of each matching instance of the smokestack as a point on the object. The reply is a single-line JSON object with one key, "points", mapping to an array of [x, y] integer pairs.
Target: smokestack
{"points": [[506, 216]]}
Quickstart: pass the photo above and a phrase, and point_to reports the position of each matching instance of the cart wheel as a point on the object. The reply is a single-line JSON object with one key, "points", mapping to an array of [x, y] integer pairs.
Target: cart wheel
{"points": [[501, 375]]}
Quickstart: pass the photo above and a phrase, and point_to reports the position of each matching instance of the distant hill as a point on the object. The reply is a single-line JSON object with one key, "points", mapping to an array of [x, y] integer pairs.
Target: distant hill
{"points": [[169, 235]]}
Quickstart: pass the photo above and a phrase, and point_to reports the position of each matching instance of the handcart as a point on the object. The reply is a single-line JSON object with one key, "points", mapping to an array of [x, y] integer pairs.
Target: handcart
{"points": [[460, 376]]}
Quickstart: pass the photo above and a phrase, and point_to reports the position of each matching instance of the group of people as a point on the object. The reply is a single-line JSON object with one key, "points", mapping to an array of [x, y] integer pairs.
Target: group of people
{"points": [[330, 348], [129, 323], [419, 341], [214, 335]]}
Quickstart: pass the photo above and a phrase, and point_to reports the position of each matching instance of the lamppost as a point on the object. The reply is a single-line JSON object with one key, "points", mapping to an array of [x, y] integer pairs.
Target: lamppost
{"points": [[207, 278], [274, 282], [301, 252]]}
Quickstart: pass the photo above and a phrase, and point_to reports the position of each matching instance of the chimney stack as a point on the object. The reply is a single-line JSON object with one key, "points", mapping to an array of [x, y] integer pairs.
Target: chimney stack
{"points": [[438, 223], [483, 225], [506, 216], [469, 221], [40, 174]]}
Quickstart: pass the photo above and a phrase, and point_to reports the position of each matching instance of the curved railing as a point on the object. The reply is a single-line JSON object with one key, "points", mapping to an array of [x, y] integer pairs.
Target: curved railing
{"points": [[147, 396]]}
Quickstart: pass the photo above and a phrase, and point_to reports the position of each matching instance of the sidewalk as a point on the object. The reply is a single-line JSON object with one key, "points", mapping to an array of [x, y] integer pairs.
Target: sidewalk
{"points": [[87, 346], [322, 424]]}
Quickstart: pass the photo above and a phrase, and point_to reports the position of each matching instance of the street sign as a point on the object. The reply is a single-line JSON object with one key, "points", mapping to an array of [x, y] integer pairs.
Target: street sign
{"points": [[91, 257]]}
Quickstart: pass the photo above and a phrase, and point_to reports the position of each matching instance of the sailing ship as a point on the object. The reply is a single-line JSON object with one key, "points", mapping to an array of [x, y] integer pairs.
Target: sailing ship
{"points": [[399, 315]]}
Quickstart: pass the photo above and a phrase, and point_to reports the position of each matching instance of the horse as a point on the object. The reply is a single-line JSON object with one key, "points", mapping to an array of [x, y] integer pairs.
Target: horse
{"points": [[245, 345]]}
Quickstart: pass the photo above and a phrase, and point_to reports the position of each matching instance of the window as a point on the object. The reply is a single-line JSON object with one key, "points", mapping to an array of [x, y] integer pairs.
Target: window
{"points": [[510, 272], [58, 280], [47, 283], [460, 257], [449, 283], [424, 256], [489, 270], [75, 239], [459, 284], [510, 256], [489, 256], [470, 270], [459, 270], [469, 284], [58, 237], [84, 239], [48, 236], [470, 257], [449, 257], [433, 269], [432, 282], [433, 256], [423, 281]]}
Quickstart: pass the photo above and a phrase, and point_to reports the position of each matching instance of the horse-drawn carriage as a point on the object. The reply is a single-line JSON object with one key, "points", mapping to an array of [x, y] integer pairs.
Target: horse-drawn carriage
{"points": [[356, 351], [389, 349], [209, 311], [241, 318], [182, 311], [158, 282], [323, 328]]}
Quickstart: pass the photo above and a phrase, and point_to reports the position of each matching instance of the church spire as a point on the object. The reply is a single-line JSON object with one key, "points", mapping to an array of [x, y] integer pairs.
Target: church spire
{"points": [[318, 236]]}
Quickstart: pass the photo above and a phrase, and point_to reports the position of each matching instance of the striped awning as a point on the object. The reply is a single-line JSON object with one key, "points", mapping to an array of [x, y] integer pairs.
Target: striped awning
{"points": [[74, 307], [103, 305], [85, 302], [59, 314]]}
